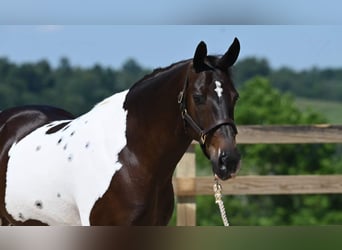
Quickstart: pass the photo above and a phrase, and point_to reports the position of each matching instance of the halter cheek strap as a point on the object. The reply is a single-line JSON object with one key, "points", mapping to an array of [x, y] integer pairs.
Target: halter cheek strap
{"points": [[203, 133]]}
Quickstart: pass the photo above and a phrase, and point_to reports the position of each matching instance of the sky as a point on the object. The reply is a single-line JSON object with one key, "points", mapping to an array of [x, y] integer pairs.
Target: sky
{"points": [[300, 34], [297, 46], [170, 12]]}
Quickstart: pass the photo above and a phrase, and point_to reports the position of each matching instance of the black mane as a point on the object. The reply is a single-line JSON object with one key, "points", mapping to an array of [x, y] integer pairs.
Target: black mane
{"points": [[155, 72], [211, 61]]}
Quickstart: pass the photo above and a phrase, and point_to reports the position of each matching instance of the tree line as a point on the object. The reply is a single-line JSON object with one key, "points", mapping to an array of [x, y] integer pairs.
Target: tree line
{"points": [[78, 89], [72, 88], [315, 83]]}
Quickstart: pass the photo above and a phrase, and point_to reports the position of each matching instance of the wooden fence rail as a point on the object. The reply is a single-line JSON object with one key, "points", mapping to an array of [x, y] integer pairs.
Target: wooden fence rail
{"points": [[187, 185], [285, 134], [254, 185]]}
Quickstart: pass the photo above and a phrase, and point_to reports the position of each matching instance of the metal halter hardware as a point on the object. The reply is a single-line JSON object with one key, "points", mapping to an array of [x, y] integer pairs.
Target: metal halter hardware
{"points": [[203, 133]]}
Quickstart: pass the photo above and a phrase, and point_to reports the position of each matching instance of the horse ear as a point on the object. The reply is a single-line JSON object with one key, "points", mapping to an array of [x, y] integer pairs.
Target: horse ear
{"points": [[200, 54], [230, 57]]}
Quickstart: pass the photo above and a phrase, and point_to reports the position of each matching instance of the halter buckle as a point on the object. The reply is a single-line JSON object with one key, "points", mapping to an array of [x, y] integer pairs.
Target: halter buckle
{"points": [[180, 97], [203, 138], [184, 112]]}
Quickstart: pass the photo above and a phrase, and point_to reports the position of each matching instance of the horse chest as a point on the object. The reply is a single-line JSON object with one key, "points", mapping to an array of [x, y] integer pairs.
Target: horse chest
{"points": [[157, 208], [164, 206], [57, 177]]}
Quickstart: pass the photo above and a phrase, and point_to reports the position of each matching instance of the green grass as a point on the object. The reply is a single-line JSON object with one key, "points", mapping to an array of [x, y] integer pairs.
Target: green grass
{"points": [[332, 110]]}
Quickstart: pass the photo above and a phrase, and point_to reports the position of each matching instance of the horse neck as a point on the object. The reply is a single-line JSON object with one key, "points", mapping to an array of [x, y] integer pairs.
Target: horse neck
{"points": [[155, 128]]}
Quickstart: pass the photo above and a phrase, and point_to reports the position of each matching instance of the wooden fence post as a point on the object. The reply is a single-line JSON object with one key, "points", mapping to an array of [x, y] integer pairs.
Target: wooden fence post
{"points": [[186, 205]]}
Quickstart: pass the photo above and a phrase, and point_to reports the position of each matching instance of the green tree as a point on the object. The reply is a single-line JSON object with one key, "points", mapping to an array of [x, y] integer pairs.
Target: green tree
{"points": [[311, 83], [130, 72], [250, 67]]}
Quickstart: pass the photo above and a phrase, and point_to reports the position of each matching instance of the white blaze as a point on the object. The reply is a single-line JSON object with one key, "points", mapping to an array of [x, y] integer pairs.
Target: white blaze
{"points": [[218, 88]]}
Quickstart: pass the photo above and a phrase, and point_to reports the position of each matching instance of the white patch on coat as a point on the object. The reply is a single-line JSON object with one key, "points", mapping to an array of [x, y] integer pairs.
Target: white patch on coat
{"points": [[57, 178], [218, 88]]}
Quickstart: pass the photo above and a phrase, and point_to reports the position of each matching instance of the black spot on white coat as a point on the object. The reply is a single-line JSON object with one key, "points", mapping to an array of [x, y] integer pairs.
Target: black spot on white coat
{"points": [[21, 216], [39, 204]]}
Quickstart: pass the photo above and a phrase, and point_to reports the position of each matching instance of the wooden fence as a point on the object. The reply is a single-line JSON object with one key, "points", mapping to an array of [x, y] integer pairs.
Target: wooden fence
{"points": [[187, 185]]}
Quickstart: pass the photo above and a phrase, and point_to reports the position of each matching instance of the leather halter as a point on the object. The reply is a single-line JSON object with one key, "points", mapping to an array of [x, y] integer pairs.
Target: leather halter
{"points": [[203, 133]]}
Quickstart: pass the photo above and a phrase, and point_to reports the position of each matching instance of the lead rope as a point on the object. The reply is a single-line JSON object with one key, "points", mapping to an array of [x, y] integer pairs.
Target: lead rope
{"points": [[218, 200]]}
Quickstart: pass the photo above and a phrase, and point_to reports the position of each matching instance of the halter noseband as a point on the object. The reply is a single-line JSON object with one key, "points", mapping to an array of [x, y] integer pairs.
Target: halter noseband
{"points": [[203, 133]]}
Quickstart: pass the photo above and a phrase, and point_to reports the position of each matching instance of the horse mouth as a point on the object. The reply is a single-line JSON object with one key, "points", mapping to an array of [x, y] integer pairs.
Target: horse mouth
{"points": [[224, 172]]}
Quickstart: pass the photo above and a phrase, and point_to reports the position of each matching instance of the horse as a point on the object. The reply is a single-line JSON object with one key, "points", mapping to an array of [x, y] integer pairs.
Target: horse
{"points": [[114, 164]]}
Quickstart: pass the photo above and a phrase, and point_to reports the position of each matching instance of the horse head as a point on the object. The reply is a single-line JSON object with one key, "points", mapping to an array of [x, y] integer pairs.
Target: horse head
{"points": [[207, 103]]}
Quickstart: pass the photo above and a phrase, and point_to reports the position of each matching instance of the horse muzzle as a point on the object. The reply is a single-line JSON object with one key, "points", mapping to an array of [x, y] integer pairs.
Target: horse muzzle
{"points": [[226, 164]]}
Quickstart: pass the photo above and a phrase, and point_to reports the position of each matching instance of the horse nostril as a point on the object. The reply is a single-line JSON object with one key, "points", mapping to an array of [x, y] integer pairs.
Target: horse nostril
{"points": [[223, 158]]}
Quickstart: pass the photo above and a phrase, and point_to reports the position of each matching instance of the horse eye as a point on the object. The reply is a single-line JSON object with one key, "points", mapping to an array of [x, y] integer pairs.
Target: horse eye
{"points": [[199, 99]]}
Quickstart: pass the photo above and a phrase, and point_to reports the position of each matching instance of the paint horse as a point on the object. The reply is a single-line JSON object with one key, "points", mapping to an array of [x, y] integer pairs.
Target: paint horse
{"points": [[114, 164]]}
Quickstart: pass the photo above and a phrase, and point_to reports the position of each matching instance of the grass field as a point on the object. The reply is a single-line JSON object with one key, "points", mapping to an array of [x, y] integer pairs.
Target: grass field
{"points": [[332, 110]]}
